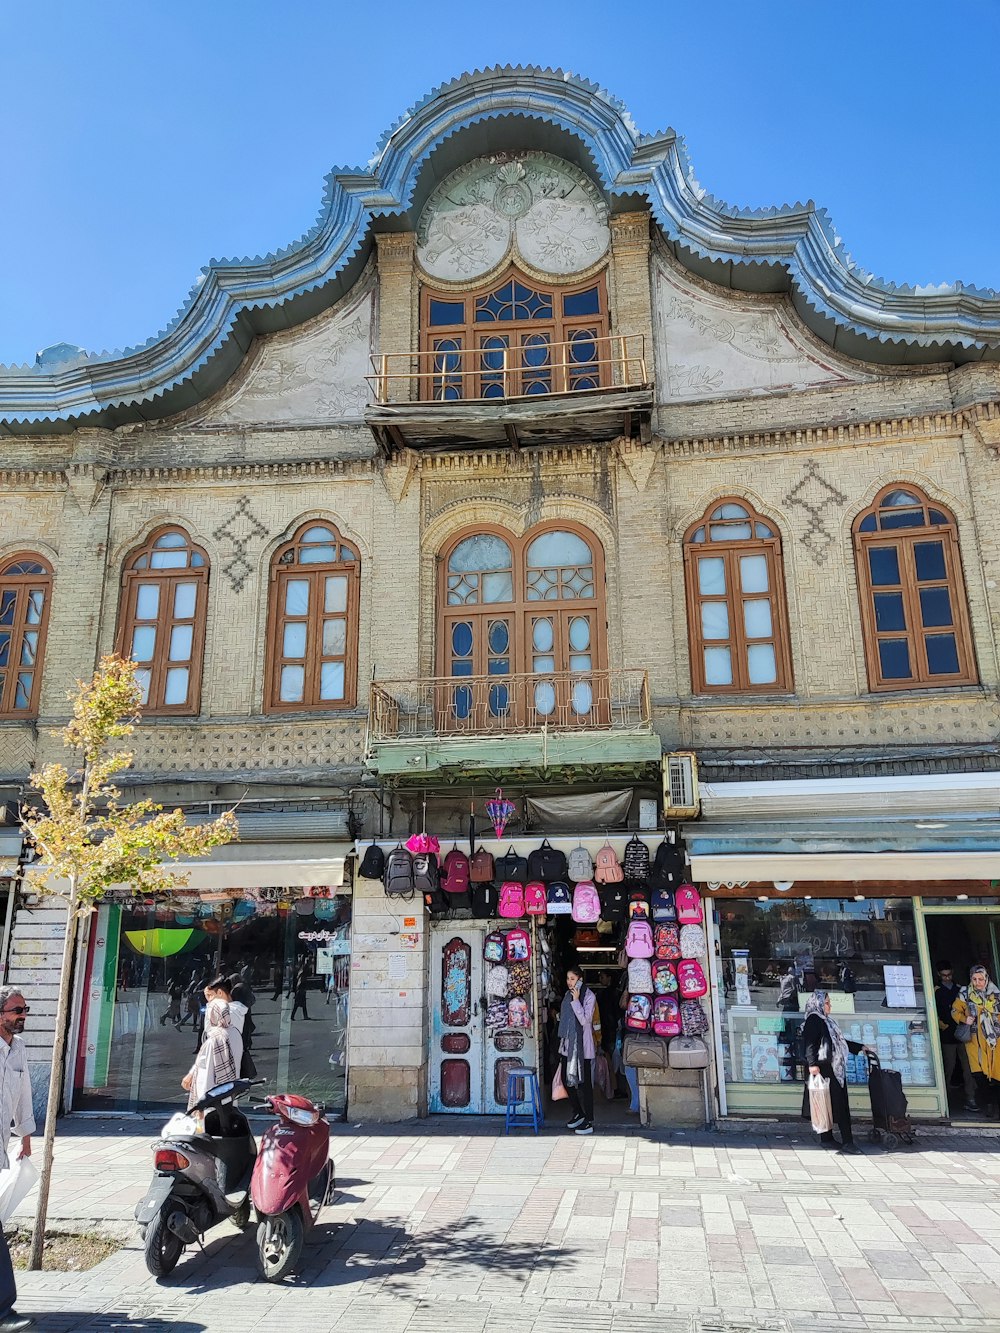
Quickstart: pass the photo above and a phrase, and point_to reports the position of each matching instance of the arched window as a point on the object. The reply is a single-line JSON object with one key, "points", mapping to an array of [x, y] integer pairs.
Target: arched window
{"points": [[25, 582], [913, 608], [313, 622], [162, 621], [737, 622], [493, 626], [514, 338]]}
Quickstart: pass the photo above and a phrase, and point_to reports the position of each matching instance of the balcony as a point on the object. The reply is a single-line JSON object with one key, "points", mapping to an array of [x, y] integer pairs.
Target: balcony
{"points": [[529, 394], [474, 723]]}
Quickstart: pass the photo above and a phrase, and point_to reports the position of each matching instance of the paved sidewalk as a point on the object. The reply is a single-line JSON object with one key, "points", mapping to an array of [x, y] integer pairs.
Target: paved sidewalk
{"points": [[621, 1233]]}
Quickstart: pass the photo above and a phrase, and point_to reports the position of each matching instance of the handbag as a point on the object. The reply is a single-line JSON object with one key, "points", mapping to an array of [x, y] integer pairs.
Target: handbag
{"points": [[820, 1106], [559, 1092], [964, 1032], [602, 1076]]}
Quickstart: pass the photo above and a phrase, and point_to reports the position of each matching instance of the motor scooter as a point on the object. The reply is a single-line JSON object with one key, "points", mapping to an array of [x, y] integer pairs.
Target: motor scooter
{"points": [[203, 1164], [292, 1179]]}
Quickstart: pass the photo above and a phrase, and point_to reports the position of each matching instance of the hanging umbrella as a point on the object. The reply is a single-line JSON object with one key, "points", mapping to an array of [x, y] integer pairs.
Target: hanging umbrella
{"points": [[500, 811]]}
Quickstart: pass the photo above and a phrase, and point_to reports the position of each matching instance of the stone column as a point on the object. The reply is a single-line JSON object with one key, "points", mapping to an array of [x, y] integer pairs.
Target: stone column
{"points": [[398, 307], [631, 297]]}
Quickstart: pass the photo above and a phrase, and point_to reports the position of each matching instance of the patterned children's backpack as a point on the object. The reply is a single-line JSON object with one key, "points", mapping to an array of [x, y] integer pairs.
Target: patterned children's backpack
{"points": [[511, 900], [664, 978], [496, 1015], [638, 905], [667, 870], [497, 981], [639, 940], [534, 899], [518, 1013], [666, 1016], [518, 978], [691, 979], [688, 902], [518, 946], [581, 867], [495, 947], [663, 905], [606, 867], [455, 878], [586, 904], [558, 900], [640, 975], [694, 1020], [481, 866], [668, 943], [693, 942], [639, 1013], [636, 860]]}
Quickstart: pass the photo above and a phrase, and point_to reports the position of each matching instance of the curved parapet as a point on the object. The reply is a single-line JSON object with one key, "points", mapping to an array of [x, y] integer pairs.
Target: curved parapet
{"points": [[791, 248]]}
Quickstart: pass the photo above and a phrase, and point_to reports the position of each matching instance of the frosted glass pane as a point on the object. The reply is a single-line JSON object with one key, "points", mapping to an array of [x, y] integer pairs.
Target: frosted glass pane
{"points": [[336, 593], [545, 698], [33, 613], [712, 575], [580, 662], [331, 680], [542, 636], [753, 573], [317, 555], [718, 666], [292, 682], [558, 548], [482, 552], [757, 618], [168, 560], [143, 643], [176, 691], [730, 532], [184, 601], [762, 664], [293, 643], [334, 638], [714, 620], [180, 643], [317, 534], [730, 511], [29, 647], [142, 680], [498, 587], [147, 601], [583, 697], [544, 663], [296, 597], [579, 633]]}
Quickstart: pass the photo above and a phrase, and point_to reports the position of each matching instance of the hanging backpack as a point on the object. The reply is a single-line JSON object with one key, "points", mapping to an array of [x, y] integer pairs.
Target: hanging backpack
{"points": [[613, 903], [495, 947], [518, 1014], [639, 1013], [437, 903], [580, 866], [511, 868], [693, 943], [691, 979], [635, 862], [667, 943], [480, 866], [640, 975], [512, 900], [664, 978], [666, 1016], [426, 876], [519, 978], [688, 902], [455, 878], [639, 940], [483, 901], [606, 867], [518, 946], [534, 899], [558, 900], [496, 1015], [399, 874], [663, 905], [638, 905], [667, 870], [372, 863], [497, 982], [547, 863], [586, 904], [694, 1020]]}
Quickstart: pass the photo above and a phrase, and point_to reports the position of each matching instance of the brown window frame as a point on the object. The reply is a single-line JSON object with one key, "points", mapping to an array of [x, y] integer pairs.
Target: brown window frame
{"points": [[738, 641], [470, 332], [905, 539], [282, 570], [165, 621], [22, 585]]}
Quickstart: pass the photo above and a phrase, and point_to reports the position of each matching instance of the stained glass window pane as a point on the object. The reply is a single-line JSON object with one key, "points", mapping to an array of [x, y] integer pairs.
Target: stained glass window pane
{"points": [[545, 698], [714, 620], [718, 666], [461, 638], [762, 664], [582, 698], [544, 663], [580, 662], [712, 576], [4, 649], [33, 611], [22, 690], [903, 518], [29, 647], [753, 573], [8, 601], [176, 689], [447, 312]]}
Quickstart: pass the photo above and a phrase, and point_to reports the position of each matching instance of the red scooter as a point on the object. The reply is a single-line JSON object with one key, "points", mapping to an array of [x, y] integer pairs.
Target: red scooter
{"points": [[292, 1179]]}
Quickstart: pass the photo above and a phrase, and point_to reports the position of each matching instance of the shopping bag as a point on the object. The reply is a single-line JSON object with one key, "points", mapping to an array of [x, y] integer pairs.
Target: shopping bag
{"points": [[602, 1076], [15, 1184], [559, 1092], [820, 1107]]}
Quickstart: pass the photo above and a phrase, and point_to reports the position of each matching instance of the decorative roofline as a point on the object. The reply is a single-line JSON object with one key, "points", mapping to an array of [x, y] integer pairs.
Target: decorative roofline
{"points": [[792, 248]]}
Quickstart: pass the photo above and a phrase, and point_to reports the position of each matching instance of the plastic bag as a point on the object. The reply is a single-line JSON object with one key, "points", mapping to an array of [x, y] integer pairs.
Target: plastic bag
{"points": [[16, 1182], [820, 1107], [602, 1076], [559, 1092]]}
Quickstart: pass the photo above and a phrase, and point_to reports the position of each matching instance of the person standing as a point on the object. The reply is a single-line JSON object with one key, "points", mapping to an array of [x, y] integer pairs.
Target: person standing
{"points": [[826, 1049], [953, 1051], [17, 1117], [577, 1050], [218, 1058], [978, 1007]]}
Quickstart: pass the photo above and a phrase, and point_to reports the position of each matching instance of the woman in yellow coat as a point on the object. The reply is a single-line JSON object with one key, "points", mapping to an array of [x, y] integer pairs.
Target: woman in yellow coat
{"points": [[978, 1006]]}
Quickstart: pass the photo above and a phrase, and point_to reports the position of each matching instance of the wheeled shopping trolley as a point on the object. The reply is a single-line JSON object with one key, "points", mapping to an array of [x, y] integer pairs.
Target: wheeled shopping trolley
{"points": [[890, 1122]]}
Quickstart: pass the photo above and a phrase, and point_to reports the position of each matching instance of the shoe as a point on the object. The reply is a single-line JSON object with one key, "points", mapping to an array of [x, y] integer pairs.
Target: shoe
{"points": [[576, 1122], [849, 1150], [585, 1128], [970, 1106], [827, 1140], [16, 1323]]}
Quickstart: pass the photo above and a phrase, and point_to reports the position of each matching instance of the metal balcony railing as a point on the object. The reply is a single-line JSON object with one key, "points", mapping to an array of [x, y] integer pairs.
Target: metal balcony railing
{"points": [[444, 707]]}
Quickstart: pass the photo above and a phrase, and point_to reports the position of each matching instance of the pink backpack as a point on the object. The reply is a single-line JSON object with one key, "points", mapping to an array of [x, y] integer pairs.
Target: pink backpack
{"points": [[639, 1013], [691, 979], [456, 872], [606, 867], [687, 900], [639, 940], [518, 1014], [664, 978], [668, 943], [534, 898], [586, 904], [666, 1016], [511, 899], [518, 946]]}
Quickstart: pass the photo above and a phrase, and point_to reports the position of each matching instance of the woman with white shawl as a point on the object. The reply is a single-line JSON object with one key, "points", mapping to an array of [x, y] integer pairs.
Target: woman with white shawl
{"points": [[826, 1049], [219, 1056]]}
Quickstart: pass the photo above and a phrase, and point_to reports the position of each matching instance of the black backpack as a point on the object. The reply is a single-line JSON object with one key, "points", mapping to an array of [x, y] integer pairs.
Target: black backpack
{"points": [[635, 863], [484, 898], [510, 868], [667, 870], [399, 874], [426, 877], [372, 863], [547, 863]]}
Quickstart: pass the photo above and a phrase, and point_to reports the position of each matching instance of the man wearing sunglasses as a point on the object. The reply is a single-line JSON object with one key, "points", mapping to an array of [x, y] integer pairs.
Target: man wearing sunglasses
{"points": [[15, 1116]]}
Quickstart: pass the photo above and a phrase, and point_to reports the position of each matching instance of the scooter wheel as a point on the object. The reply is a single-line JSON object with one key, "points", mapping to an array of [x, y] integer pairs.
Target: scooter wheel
{"points": [[162, 1247], [279, 1245], [241, 1217]]}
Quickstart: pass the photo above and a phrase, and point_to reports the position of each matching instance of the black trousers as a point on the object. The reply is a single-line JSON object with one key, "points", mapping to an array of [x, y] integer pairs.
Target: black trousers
{"points": [[8, 1288], [581, 1098]]}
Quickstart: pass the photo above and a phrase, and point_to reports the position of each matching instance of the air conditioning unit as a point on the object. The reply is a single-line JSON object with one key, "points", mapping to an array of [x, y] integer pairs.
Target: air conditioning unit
{"points": [[680, 786]]}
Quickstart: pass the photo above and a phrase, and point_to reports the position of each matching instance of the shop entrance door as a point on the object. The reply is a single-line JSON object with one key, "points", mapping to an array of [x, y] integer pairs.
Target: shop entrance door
{"points": [[468, 1065]]}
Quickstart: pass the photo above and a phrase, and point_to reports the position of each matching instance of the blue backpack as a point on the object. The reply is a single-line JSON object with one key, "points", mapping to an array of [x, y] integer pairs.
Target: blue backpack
{"points": [[558, 900], [663, 905]]}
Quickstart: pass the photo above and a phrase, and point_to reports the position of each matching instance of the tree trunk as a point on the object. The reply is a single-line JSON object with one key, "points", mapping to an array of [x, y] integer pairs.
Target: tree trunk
{"points": [[55, 1084]]}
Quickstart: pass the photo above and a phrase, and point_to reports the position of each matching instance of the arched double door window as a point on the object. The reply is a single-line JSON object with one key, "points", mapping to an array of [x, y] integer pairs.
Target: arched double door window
{"points": [[25, 584], [522, 623]]}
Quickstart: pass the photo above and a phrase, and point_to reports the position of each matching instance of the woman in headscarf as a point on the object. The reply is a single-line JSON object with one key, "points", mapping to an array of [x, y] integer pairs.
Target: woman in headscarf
{"points": [[577, 1049], [978, 1006], [826, 1050], [219, 1056]]}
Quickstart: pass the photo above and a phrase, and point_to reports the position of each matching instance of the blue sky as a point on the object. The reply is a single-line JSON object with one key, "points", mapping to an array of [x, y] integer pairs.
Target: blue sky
{"points": [[143, 137]]}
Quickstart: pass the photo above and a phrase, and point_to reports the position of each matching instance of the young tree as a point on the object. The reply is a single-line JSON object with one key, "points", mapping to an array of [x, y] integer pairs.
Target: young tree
{"points": [[87, 840]]}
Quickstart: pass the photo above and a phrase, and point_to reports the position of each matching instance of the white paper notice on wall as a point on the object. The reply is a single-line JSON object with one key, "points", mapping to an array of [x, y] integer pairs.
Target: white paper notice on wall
{"points": [[900, 992], [397, 967]]}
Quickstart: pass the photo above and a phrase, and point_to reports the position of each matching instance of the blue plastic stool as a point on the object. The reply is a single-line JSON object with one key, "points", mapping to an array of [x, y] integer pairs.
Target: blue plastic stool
{"points": [[522, 1090]]}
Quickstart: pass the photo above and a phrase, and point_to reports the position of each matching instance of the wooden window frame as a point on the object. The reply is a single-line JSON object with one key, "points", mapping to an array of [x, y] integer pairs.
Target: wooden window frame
{"points": [[738, 642], [314, 574], [167, 579], [22, 585], [903, 539]]}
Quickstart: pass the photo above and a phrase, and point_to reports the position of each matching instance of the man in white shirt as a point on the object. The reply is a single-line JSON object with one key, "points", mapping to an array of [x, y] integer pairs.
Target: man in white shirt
{"points": [[16, 1116]]}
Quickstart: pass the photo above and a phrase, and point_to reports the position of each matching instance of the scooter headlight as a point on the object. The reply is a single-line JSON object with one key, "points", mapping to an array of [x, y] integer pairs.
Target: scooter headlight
{"points": [[298, 1116]]}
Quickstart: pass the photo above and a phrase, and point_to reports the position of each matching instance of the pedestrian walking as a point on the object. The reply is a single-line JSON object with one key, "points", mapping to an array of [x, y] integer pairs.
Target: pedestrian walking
{"points": [[15, 1116], [219, 1056], [299, 987], [826, 1049], [172, 1013], [577, 1050], [953, 1051], [977, 1015]]}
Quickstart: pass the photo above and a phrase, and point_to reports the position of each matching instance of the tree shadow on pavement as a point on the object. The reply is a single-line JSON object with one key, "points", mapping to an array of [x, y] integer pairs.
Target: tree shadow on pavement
{"points": [[136, 1317]]}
